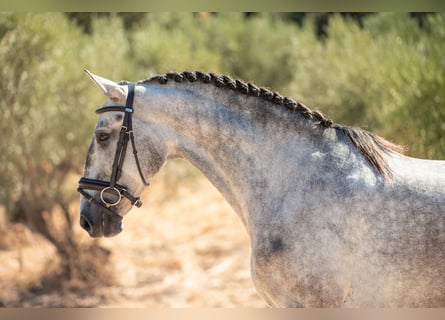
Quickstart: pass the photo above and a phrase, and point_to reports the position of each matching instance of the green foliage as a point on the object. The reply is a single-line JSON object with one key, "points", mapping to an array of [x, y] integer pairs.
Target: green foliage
{"points": [[46, 107], [387, 77], [419, 118], [47, 115], [258, 49], [171, 42]]}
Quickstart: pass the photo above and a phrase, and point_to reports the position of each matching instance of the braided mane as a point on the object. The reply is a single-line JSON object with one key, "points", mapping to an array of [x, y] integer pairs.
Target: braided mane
{"points": [[371, 146]]}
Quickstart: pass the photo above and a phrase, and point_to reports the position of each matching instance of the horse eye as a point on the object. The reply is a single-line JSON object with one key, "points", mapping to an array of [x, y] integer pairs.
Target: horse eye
{"points": [[101, 137]]}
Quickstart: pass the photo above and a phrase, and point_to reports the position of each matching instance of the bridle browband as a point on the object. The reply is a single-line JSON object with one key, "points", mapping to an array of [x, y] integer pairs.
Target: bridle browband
{"points": [[111, 188]]}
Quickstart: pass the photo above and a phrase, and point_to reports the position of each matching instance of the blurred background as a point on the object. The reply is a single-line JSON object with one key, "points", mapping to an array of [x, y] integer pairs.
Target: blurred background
{"points": [[185, 247]]}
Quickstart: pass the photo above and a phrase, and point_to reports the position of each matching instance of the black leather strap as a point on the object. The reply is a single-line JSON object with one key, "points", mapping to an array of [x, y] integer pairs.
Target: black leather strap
{"points": [[111, 108]]}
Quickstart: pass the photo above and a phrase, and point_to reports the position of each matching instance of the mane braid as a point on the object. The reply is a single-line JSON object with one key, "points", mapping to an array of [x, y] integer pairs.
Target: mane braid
{"points": [[371, 146]]}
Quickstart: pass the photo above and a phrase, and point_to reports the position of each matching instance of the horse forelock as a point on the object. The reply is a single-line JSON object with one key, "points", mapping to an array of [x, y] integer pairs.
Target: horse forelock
{"points": [[373, 147]]}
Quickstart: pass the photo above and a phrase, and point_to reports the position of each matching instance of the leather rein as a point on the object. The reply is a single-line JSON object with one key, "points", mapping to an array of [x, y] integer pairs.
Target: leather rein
{"points": [[112, 189]]}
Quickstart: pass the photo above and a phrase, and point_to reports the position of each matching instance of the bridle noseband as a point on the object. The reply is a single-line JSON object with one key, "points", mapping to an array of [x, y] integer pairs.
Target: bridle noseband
{"points": [[111, 193]]}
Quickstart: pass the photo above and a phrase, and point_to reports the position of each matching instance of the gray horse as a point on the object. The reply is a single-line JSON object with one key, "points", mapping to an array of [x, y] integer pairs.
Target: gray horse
{"points": [[337, 216]]}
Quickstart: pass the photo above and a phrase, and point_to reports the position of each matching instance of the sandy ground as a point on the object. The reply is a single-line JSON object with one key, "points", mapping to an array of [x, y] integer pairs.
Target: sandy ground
{"points": [[184, 248]]}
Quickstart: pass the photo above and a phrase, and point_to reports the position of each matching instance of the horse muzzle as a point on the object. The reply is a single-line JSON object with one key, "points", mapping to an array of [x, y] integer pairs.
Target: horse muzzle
{"points": [[98, 223]]}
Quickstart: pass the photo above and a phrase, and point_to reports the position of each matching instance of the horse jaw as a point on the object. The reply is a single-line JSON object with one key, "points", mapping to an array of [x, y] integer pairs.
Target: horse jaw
{"points": [[110, 88]]}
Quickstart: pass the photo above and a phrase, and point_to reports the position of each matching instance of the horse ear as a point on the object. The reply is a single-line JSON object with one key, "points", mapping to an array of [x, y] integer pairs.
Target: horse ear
{"points": [[109, 88]]}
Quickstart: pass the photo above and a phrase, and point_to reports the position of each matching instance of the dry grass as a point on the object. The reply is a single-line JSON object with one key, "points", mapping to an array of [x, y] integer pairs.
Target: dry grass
{"points": [[184, 248]]}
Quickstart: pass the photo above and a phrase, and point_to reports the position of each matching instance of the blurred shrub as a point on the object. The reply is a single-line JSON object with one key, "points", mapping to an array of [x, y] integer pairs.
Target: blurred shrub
{"points": [[418, 115], [258, 49], [171, 42], [387, 77], [47, 115]]}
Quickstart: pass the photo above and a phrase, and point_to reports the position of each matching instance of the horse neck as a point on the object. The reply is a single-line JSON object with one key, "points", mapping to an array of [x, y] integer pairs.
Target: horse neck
{"points": [[243, 146]]}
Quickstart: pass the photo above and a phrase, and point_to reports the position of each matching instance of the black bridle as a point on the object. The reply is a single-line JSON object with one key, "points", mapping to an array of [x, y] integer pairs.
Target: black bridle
{"points": [[111, 193]]}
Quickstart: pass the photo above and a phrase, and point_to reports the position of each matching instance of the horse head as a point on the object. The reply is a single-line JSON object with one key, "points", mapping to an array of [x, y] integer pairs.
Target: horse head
{"points": [[114, 177]]}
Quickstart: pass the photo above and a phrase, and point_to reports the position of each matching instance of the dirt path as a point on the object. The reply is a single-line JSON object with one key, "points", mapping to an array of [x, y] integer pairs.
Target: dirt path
{"points": [[184, 248]]}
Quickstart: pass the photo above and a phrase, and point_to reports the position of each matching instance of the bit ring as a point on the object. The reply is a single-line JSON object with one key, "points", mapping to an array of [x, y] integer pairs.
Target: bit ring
{"points": [[106, 202]]}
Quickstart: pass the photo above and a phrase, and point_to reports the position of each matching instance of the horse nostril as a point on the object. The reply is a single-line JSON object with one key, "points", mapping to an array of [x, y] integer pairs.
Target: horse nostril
{"points": [[85, 224]]}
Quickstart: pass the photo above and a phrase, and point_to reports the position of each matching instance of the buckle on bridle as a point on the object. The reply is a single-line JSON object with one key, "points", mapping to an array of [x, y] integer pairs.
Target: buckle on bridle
{"points": [[138, 203]]}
